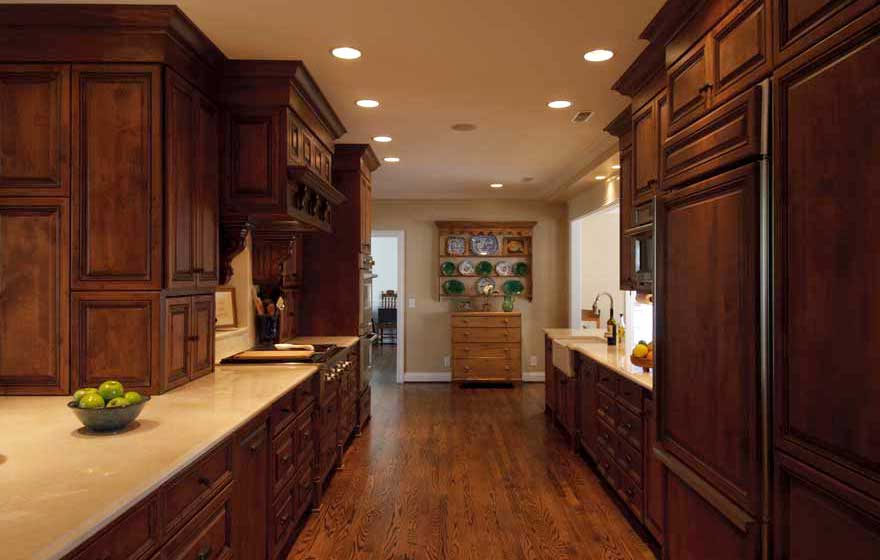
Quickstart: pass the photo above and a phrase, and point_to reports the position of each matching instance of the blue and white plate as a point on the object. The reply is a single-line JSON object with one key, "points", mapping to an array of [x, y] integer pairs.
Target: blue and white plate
{"points": [[503, 268], [485, 245], [456, 246], [466, 268], [483, 282]]}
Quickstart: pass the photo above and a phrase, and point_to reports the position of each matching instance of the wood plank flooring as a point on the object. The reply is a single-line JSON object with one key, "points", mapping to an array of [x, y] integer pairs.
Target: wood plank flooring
{"points": [[448, 473]]}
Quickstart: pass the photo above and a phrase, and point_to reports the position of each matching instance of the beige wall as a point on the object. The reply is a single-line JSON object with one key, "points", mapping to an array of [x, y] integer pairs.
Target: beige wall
{"points": [[600, 261], [427, 326], [233, 341], [593, 198]]}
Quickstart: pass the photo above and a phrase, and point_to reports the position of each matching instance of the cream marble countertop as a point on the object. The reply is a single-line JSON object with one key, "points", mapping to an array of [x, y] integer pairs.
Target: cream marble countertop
{"points": [[344, 341], [591, 343], [573, 334], [59, 485]]}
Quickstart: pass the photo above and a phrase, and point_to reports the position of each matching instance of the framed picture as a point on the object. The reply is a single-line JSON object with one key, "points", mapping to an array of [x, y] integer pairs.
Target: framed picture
{"points": [[225, 308], [516, 246]]}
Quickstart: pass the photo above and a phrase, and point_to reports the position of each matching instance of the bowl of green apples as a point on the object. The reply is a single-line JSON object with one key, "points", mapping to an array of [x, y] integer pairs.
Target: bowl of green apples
{"points": [[107, 408]]}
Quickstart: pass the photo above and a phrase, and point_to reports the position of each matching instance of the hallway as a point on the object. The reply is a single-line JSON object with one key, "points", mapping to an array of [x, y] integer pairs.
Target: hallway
{"points": [[448, 473]]}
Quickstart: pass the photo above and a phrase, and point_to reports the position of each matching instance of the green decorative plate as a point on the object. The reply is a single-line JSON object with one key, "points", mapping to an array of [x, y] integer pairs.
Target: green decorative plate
{"points": [[520, 269], [485, 268], [447, 268], [453, 288], [513, 288]]}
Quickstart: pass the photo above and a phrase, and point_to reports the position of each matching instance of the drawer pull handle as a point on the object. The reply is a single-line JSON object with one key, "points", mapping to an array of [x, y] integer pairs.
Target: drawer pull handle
{"points": [[192, 338], [627, 459], [286, 410], [285, 459], [255, 446], [204, 481], [627, 427], [629, 492], [705, 88], [205, 553]]}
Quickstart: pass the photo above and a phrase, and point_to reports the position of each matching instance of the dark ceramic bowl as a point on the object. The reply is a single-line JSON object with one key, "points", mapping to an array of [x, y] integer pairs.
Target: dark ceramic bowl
{"points": [[107, 419]]}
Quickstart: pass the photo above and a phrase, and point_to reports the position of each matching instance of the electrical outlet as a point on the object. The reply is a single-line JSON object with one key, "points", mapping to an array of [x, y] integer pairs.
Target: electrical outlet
{"points": [[533, 361], [446, 361], [412, 303]]}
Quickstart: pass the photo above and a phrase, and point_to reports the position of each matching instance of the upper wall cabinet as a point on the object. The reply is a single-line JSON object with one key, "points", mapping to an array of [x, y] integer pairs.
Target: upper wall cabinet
{"points": [[117, 177], [800, 24], [34, 130], [734, 55]]}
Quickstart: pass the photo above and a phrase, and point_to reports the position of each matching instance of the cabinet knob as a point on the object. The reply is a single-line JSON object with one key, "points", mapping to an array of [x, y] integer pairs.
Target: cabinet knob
{"points": [[204, 481], [705, 88], [192, 338], [205, 554]]}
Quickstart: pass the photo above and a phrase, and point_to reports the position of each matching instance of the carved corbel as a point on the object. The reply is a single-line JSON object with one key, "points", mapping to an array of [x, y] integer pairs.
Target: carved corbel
{"points": [[233, 240]]}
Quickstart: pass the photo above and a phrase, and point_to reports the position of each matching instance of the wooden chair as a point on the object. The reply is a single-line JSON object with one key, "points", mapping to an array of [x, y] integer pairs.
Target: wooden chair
{"points": [[387, 323]]}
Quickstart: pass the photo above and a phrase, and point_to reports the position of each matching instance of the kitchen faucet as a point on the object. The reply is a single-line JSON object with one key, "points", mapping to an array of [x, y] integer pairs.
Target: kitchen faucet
{"points": [[596, 305]]}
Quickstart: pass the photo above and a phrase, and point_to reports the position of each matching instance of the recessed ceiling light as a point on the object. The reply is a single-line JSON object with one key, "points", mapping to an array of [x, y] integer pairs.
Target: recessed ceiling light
{"points": [[598, 55], [346, 53], [382, 139], [496, 185], [600, 177], [392, 159], [559, 104], [616, 166], [367, 103]]}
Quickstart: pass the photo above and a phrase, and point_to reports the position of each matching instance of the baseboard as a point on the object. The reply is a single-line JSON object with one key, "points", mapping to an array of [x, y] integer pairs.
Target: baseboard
{"points": [[446, 377], [427, 377]]}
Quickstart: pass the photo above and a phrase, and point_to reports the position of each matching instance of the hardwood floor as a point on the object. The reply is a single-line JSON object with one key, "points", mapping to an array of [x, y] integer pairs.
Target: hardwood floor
{"points": [[448, 473]]}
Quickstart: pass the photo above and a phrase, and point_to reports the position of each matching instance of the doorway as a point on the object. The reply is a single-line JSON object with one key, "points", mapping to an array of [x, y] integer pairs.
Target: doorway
{"points": [[595, 264], [388, 252]]}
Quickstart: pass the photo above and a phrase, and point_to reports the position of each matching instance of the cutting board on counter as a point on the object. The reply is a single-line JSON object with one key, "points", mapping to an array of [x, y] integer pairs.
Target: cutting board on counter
{"points": [[275, 355]]}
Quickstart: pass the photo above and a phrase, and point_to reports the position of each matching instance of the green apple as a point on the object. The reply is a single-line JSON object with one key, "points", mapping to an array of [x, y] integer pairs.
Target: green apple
{"points": [[134, 397], [111, 390], [91, 400], [77, 396], [118, 402]]}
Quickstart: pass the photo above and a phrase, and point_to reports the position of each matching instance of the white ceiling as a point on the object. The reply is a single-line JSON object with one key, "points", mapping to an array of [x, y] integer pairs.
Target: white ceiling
{"points": [[494, 63]]}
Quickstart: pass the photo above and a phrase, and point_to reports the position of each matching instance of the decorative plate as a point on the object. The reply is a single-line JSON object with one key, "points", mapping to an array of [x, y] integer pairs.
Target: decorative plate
{"points": [[485, 268], [483, 282], [515, 246], [485, 245], [503, 268], [513, 287], [447, 268], [456, 246], [521, 269], [466, 268], [453, 287]]}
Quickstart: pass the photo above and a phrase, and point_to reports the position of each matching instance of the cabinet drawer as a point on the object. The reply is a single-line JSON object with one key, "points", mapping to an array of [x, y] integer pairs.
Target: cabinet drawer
{"points": [[486, 335], [486, 350], [607, 380], [487, 322], [133, 537], [304, 489], [607, 409], [283, 460], [282, 523], [629, 428], [304, 439], [630, 395], [208, 536], [484, 367], [631, 493], [642, 214], [329, 419], [730, 134], [608, 469], [283, 412], [190, 491], [304, 395], [606, 437], [630, 460]]}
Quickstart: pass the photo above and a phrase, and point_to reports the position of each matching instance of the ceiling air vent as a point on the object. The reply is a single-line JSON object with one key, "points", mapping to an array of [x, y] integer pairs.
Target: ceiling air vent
{"points": [[582, 116]]}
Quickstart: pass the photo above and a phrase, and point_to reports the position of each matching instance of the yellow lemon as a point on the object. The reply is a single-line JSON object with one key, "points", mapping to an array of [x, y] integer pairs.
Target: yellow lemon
{"points": [[640, 351]]}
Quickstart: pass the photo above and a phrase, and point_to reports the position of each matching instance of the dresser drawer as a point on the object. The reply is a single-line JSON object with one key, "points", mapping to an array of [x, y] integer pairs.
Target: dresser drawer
{"points": [[486, 335], [487, 322], [188, 492], [133, 537], [629, 427], [283, 460], [484, 367], [606, 437], [630, 395], [208, 536], [607, 380], [607, 409], [486, 350], [630, 460]]}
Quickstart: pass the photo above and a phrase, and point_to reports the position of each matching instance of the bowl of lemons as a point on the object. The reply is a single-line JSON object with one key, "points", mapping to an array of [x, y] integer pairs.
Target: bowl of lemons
{"points": [[643, 355], [107, 408]]}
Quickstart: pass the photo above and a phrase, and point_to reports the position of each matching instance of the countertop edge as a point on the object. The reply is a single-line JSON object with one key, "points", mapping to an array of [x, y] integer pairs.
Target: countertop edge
{"points": [[613, 367]]}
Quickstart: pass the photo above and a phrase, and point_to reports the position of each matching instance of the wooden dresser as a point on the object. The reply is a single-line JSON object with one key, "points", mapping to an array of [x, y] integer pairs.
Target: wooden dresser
{"points": [[487, 346]]}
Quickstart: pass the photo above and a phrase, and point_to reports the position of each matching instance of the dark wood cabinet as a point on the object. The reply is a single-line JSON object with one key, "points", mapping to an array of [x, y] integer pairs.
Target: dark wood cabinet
{"points": [[116, 178], [708, 266], [34, 309], [34, 130], [799, 24], [550, 400], [655, 474], [187, 338], [827, 399], [116, 335], [646, 152], [586, 406], [250, 465], [207, 194], [627, 272], [688, 87], [203, 335]]}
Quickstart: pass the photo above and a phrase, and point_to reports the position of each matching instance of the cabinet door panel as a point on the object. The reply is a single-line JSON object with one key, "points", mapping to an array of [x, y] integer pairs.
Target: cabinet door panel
{"points": [[688, 88], [249, 496], [800, 24], [115, 335], [627, 273], [34, 130], [740, 47], [655, 475], [176, 340], [708, 271], [34, 296], [180, 146], [646, 153], [207, 198], [117, 179], [203, 336], [826, 195]]}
